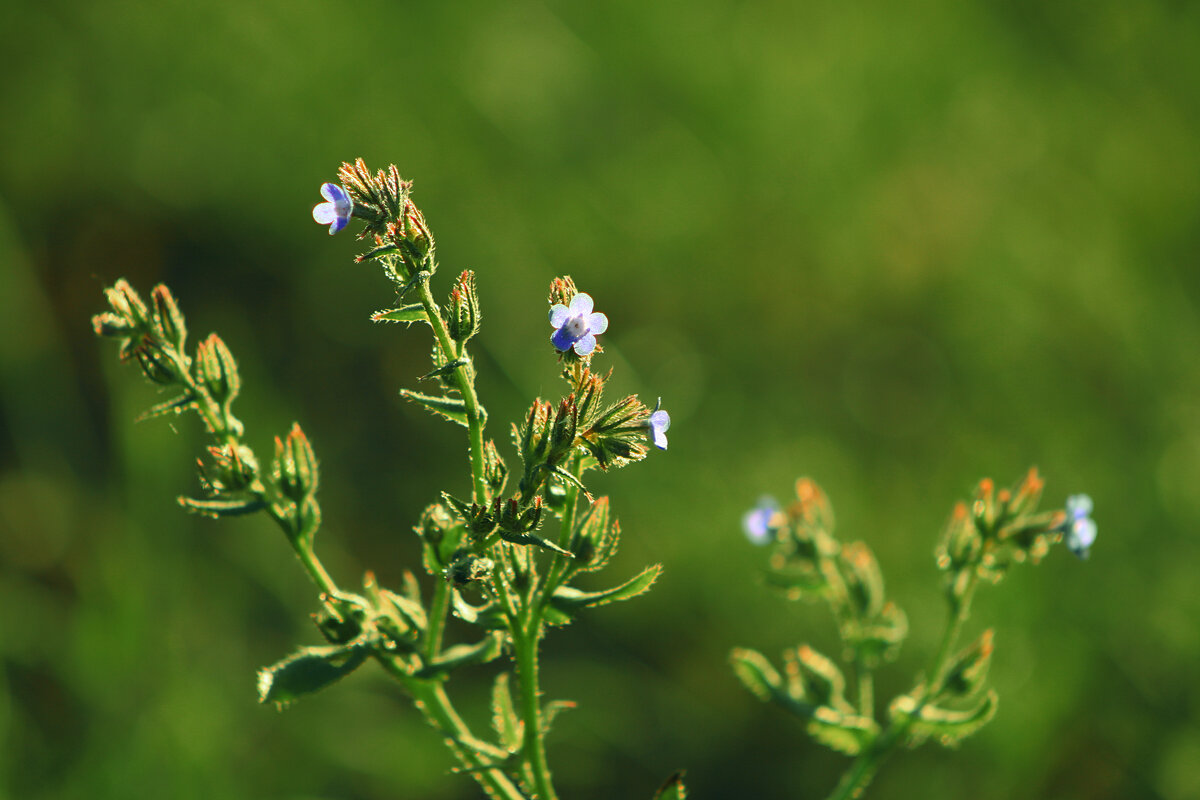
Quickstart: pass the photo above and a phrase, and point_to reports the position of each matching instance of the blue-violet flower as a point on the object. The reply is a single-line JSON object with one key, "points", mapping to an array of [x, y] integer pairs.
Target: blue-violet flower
{"points": [[1080, 529], [576, 326], [657, 425], [757, 521], [336, 212]]}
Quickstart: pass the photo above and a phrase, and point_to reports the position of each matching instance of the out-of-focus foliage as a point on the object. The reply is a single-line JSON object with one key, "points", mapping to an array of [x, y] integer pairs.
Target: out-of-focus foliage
{"points": [[895, 247]]}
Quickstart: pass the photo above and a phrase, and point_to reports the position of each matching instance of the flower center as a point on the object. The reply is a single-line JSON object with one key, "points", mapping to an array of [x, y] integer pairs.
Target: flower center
{"points": [[575, 327]]}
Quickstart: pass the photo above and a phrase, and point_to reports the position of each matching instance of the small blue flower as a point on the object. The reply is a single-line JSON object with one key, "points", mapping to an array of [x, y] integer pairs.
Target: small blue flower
{"points": [[576, 326], [657, 425], [757, 521], [335, 213], [1079, 527]]}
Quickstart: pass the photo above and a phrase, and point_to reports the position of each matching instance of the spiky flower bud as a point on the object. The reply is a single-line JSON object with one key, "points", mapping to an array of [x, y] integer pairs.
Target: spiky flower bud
{"points": [[462, 313]]}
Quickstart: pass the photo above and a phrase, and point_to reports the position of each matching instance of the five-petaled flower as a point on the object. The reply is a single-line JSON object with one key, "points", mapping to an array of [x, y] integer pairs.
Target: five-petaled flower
{"points": [[336, 212], [576, 326], [657, 424], [1079, 527], [757, 521]]}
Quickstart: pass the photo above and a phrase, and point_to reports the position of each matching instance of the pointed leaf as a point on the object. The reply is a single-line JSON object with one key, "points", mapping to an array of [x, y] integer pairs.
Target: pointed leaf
{"points": [[568, 598], [508, 725], [529, 538], [444, 369], [452, 408], [222, 507], [306, 671], [176, 405], [551, 711], [481, 652], [414, 312]]}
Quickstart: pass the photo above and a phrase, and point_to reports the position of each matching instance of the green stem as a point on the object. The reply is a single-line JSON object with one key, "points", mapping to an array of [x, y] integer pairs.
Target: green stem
{"points": [[863, 770], [439, 604], [466, 387], [866, 692], [435, 706], [525, 642], [561, 564]]}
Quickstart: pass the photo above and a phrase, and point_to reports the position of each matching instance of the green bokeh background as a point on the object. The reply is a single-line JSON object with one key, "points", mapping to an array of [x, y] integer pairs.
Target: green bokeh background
{"points": [[893, 246]]}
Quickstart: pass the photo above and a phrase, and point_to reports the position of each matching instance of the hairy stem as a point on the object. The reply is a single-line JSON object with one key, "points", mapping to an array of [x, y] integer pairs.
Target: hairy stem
{"points": [[525, 642]]}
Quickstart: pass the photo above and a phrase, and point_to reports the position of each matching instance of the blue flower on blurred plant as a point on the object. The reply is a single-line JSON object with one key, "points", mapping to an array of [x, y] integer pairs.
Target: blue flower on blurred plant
{"points": [[336, 212], [576, 325], [657, 425], [1080, 529], [757, 521]]}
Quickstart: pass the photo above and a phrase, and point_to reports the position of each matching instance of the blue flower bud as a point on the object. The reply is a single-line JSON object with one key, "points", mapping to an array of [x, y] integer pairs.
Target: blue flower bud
{"points": [[757, 521], [657, 425]]}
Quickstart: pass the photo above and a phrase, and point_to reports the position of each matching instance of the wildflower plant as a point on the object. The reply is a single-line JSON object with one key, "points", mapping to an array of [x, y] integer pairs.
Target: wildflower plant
{"points": [[951, 699], [501, 555]]}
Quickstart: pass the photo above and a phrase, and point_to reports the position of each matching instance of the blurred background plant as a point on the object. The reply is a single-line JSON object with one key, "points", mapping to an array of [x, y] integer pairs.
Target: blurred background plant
{"points": [[894, 247]]}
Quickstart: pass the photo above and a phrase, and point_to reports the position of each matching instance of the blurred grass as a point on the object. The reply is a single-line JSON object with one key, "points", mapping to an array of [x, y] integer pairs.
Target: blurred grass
{"points": [[896, 247]]}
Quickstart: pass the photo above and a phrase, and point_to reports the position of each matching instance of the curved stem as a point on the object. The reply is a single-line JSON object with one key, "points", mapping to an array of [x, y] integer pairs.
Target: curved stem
{"points": [[856, 779]]}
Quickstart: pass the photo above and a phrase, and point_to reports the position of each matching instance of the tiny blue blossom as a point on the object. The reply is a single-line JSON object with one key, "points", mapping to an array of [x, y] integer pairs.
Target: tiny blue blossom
{"points": [[336, 212], [657, 425], [1080, 529], [757, 521], [576, 326]]}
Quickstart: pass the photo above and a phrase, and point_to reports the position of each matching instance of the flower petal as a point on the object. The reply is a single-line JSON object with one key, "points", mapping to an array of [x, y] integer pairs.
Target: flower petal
{"points": [[338, 224], [332, 192], [562, 340], [597, 323], [581, 304], [660, 420], [559, 314], [324, 213], [586, 344]]}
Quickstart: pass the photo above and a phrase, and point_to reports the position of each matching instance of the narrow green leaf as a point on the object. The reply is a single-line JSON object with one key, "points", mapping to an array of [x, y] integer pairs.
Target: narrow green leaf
{"points": [[508, 725], [219, 507], [552, 710], [483, 651], [444, 369], [177, 405], [413, 312], [452, 408], [569, 598], [673, 789], [533, 539], [308, 670]]}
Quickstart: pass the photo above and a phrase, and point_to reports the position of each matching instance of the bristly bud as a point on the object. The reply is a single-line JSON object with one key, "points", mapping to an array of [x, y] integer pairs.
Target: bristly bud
{"points": [[155, 364], [968, 671], [562, 291], [616, 436], [216, 370], [562, 434], [462, 313], [984, 508], [863, 579], [495, 472], [168, 319], [811, 509], [469, 569], [960, 543], [1027, 495], [435, 521], [231, 470], [296, 465], [126, 302], [533, 438], [112, 325]]}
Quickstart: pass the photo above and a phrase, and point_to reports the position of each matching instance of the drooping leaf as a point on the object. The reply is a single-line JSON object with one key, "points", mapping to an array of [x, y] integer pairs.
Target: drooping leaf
{"points": [[308, 670], [222, 507], [452, 408], [444, 369], [948, 726], [414, 312], [551, 711]]}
